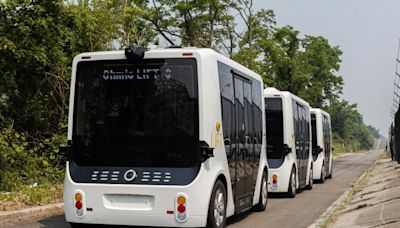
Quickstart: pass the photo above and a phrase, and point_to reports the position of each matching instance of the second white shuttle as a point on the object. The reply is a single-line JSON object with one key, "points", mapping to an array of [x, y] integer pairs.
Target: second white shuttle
{"points": [[321, 144], [288, 142]]}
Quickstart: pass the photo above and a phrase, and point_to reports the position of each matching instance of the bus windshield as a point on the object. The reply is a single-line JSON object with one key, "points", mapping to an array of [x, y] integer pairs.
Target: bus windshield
{"points": [[314, 134], [274, 117], [140, 114]]}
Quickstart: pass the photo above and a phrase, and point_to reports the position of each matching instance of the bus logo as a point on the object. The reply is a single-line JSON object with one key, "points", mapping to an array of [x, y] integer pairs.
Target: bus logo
{"points": [[130, 175]]}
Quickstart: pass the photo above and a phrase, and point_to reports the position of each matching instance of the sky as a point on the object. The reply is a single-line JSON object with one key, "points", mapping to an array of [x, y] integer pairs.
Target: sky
{"points": [[368, 33]]}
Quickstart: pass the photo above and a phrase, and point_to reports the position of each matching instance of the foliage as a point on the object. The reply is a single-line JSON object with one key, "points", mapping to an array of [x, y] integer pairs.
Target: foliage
{"points": [[348, 125], [39, 38], [25, 162], [33, 85], [321, 62], [375, 132], [196, 23]]}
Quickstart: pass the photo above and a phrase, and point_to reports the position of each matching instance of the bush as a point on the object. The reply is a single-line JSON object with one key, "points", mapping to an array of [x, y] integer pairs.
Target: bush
{"points": [[26, 161]]}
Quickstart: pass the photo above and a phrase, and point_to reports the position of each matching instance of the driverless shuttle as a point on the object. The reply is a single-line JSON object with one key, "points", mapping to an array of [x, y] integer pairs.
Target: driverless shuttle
{"points": [[321, 144], [164, 137], [288, 142]]}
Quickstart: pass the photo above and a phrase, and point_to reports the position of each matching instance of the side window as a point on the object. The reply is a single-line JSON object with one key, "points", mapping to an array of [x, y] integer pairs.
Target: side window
{"points": [[248, 102], [295, 120], [227, 104], [303, 130], [239, 105], [257, 116], [314, 133], [307, 128], [327, 136]]}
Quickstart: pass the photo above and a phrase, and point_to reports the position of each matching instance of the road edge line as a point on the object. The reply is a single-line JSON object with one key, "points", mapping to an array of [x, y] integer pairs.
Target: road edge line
{"points": [[321, 221], [46, 210]]}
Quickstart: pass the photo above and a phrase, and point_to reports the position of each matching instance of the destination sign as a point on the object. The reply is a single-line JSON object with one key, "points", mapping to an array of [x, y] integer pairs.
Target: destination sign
{"points": [[135, 74]]}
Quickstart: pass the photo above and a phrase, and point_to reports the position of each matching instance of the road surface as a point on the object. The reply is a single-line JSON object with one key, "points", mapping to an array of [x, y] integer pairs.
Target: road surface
{"points": [[299, 212]]}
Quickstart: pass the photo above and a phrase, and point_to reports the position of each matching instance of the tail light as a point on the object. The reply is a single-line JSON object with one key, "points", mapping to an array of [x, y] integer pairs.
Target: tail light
{"points": [[181, 207], [274, 181], [79, 204]]}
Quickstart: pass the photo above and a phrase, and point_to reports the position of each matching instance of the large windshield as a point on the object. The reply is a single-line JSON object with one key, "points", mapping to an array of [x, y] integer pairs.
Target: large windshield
{"points": [[274, 117], [314, 134], [142, 114]]}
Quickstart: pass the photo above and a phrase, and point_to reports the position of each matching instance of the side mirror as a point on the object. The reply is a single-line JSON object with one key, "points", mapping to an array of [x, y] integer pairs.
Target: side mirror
{"points": [[287, 149], [333, 149], [206, 151], [319, 149], [65, 151]]}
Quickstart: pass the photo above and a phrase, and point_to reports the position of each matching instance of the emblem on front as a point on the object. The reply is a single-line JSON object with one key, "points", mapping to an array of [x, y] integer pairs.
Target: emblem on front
{"points": [[130, 175]]}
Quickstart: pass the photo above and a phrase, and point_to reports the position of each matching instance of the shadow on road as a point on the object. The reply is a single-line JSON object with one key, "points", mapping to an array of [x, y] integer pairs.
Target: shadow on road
{"points": [[55, 221]]}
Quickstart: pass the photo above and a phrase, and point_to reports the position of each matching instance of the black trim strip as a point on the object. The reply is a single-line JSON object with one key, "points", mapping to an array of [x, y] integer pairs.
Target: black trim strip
{"points": [[241, 76]]}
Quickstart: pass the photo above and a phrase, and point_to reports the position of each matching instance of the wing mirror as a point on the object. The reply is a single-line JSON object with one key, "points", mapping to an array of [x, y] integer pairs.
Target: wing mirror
{"points": [[65, 151], [319, 149], [287, 149], [206, 151]]}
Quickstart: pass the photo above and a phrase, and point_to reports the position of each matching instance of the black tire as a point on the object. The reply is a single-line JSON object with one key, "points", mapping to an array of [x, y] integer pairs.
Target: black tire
{"points": [[322, 179], [218, 189], [310, 179], [291, 193], [77, 225], [262, 202], [330, 174]]}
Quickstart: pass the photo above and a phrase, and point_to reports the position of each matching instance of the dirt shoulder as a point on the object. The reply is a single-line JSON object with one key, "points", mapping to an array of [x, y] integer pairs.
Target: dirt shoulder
{"points": [[375, 200]]}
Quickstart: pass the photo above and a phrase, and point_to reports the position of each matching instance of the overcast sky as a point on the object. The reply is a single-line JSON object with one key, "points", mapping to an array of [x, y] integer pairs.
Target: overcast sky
{"points": [[367, 31]]}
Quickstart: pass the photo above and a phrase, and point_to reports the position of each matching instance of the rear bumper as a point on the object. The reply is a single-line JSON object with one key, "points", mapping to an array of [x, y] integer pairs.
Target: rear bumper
{"points": [[139, 205], [138, 220], [317, 166], [283, 174]]}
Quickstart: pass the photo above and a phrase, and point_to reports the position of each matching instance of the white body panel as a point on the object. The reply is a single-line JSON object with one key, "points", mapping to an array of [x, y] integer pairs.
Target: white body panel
{"points": [[319, 161], [158, 199], [290, 160]]}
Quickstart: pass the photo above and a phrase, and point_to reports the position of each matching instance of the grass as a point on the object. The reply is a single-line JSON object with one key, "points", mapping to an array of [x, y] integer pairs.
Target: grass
{"points": [[28, 196], [340, 150]]}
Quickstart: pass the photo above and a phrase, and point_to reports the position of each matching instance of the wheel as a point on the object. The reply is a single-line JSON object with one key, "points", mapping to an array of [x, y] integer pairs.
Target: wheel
{"points": [[292, 184], [310, 179], [217, 210], [77, 225], [322, 179], [262, 203], [330, 174]]}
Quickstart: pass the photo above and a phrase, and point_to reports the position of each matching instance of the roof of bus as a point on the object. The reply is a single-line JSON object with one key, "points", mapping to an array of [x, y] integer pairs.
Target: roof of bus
{"points": [[170, 52], [316, 110], [270, 91]]}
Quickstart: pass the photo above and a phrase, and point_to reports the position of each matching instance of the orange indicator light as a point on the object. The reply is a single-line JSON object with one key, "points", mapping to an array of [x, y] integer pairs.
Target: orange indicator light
{"points": [[78, 197], [181, 200]]}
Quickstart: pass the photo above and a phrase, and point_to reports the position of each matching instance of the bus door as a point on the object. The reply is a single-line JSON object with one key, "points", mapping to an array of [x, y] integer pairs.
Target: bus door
{"points": [[299, 122], [243, 190], [327, 139]]}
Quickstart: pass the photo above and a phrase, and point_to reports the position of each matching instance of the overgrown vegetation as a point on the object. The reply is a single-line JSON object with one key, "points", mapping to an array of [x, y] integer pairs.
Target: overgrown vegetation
{"points": [[38, 40]]}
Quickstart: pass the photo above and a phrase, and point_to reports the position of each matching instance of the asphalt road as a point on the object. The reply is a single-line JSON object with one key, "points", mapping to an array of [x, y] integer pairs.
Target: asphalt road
{"points": [[299, 212], [381, 144]]}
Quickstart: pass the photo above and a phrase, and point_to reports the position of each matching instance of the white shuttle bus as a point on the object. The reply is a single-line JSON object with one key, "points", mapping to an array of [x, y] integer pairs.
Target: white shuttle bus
{"points": [[288, 142], [321, 144], [165, 137]]}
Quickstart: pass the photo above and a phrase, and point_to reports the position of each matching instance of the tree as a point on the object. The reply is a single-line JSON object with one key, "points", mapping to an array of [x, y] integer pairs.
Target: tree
{"points": [[197, 23], [375, 132], [322, 62], [348, 126], [34, 40], [128, 20], [255, 40]]}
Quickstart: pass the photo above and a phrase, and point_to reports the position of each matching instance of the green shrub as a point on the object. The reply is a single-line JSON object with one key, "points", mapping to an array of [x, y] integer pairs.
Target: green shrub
{"points": [[26, 161]]}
